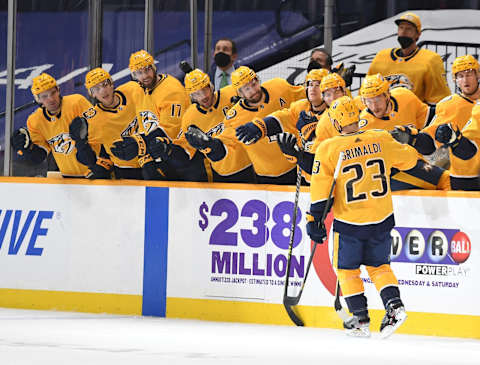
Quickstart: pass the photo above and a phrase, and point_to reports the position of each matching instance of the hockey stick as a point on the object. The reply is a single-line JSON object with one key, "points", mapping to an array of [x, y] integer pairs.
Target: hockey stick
{"points": [[342, 313], [295, 319], [289, 301]]}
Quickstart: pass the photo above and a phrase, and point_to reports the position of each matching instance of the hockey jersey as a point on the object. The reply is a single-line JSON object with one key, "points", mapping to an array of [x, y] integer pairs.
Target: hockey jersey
{"points": [[407, 109], [265, 155], [163, 107], [469, 168], [51, 132], [362, 197], [106, 125], [423, 68]]}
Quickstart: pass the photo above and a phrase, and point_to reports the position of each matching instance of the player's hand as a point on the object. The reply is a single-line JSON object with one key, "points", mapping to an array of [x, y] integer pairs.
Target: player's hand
{"points": [[405, 134], [125, 149], [347, 75], [79, 129], [197, 138], [316, 229], [21, 140], [304, 124], [447, 135], [98, 172], [160, 148], [288, 145], [250, 132]]}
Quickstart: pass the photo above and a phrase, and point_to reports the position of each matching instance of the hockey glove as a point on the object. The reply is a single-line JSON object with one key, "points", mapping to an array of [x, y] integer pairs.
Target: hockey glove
{"points": [[447, 135], [306, 124], [347, 75], [405, 134], [21, 140], [79, 129], [288, 144], [251, 132], [160, 148], [129, 147], [316, 229], [198, 139]]}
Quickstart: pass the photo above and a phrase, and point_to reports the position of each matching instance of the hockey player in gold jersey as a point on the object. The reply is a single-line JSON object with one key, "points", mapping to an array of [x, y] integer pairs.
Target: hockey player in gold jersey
{"points": [[422, 67], [159, 112], [385, 110], [452, 115], [207, 113], [300, 122], [113, 117], [363, 212], [48, 127], [243, 125]]}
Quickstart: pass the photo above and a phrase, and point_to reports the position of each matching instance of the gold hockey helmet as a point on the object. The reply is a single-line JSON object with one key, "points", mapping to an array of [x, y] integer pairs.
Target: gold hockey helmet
{"points": [[139, 60], [196, 80], [242, 76], [96, 76], [463, 63], [316, 74], [374, 85], [343, 112], [42, 82], [332, 80]]}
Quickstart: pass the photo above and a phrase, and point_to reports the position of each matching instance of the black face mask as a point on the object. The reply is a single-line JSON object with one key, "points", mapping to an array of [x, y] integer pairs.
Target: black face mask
{"points": [[222, 59], [313, 65], [405, 42]]}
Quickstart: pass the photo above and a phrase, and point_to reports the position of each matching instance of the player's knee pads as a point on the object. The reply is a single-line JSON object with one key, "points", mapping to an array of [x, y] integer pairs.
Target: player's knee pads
{"points": [[382, 276], [350, 282]]}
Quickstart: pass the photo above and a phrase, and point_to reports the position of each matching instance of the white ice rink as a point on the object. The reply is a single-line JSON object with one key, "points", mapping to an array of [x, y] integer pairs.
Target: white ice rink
{"points": [[37, 337]]}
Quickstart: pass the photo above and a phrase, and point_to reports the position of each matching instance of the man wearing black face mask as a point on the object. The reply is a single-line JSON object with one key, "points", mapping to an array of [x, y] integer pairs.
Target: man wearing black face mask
{"points": [[422, 67], [320, 58], [224, 55]]}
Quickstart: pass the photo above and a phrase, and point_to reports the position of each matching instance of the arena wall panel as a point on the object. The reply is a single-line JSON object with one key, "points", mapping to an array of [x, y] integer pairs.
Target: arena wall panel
{"points": [[218, 252]]}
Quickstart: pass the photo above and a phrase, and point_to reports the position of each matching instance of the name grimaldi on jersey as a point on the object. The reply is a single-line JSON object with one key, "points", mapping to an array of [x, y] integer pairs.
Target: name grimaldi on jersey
{"points": [[362, 150]]}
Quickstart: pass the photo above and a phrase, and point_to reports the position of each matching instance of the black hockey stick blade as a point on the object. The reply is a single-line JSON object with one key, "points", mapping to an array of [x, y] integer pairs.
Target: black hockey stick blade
{"points": [[295, 319]]}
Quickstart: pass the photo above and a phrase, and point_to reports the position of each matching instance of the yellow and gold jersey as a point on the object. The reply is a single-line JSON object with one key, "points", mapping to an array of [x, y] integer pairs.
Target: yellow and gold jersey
{"points": [[288, 118], [265, 155], [471, 130], [51, 132], [209, 120], [455, 109], [106, 125], [163, 107], [362, 194], [423, 68], [407, 109]]}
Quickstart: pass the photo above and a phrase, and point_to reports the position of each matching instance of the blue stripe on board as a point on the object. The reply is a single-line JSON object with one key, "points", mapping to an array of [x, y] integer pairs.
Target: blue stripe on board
{"points": [[155, 252]]}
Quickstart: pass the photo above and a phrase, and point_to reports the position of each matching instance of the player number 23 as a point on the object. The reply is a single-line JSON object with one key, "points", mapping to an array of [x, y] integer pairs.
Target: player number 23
{"points": [[359, 170]]}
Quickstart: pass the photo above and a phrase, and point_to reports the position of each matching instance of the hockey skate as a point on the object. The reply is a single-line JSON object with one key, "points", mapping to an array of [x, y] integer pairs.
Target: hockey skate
{"points": [[394, 317], [357, 326]]}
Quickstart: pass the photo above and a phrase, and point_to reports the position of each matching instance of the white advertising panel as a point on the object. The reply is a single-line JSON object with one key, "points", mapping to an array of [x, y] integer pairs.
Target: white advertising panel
{"points": [[64, 237], [232, 245]]}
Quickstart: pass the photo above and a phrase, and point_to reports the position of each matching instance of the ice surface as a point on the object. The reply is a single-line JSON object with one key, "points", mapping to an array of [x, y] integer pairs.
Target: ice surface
{"points": [[48, 337]]}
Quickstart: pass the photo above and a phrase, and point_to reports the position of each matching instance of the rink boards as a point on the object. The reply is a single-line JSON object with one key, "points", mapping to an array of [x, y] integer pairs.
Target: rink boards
{"points": [[218, 252]]}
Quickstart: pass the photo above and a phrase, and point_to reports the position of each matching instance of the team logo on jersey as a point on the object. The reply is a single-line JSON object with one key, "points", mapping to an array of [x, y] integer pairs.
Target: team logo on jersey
{"points": [[149, 121], [399, 80], [231, 114], [215, 131], [132, 128], [89, 113], [362, 123], [62, 143]]}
